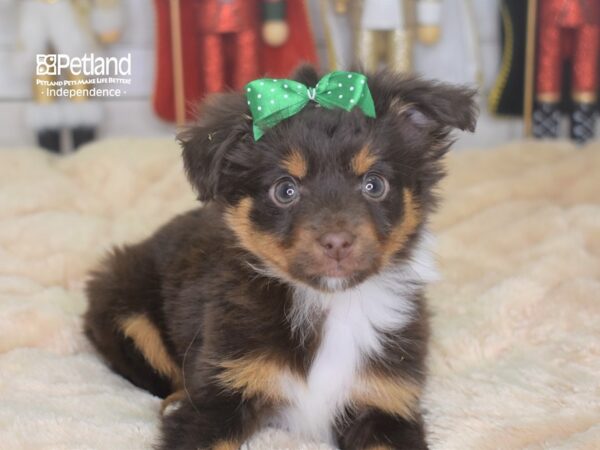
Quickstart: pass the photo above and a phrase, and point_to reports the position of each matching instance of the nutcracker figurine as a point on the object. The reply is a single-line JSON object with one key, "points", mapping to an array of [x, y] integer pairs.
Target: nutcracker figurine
{"points": [[278, 56], [386, 29], [456, 56], [63, 27], [206, 46], [227, 28], [338, 33], [506, 98], [567, 29]]}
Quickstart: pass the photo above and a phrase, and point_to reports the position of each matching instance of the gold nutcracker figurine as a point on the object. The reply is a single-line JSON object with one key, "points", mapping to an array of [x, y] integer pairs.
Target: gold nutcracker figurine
{"points": [[386, 29]]}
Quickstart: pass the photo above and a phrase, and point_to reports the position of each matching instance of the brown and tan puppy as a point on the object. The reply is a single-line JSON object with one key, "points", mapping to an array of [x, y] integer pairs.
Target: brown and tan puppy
{"points": [[294, 297]]}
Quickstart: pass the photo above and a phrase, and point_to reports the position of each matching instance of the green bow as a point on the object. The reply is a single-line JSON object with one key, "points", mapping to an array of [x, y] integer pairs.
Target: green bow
{"points": [[273, 100]]}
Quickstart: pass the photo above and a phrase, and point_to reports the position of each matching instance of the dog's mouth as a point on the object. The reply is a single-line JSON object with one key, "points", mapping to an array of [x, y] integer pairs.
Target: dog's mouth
{"points": [[337, 269], [331, 274]]}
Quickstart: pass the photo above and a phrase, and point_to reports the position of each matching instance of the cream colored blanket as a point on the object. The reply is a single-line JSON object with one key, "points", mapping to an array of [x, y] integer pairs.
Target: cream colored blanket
{"points": [[515, 355]]}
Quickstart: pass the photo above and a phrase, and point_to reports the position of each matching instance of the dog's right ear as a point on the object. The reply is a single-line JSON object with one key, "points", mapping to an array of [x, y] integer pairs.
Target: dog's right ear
{"points": [[224, 125]]}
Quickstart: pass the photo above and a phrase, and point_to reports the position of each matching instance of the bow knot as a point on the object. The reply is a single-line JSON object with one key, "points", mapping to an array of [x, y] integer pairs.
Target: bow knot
{"points": [[273, 100]]}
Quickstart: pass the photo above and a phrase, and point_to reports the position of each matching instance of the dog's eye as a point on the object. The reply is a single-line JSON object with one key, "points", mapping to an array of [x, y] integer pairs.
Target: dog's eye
{"points": [[374, 186], [284, 192]]}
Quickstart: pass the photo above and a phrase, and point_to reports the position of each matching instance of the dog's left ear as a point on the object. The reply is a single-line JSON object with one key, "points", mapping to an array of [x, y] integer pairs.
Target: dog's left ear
{"points": [[428, 104], [214, 145]]}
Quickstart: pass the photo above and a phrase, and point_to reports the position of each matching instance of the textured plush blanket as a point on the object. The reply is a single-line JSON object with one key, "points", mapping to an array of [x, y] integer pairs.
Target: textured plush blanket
{"points": [[515, 353]]}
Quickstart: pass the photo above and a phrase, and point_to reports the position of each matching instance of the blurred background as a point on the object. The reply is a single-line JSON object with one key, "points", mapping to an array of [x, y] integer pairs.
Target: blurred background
{"points": [[182, 50]]}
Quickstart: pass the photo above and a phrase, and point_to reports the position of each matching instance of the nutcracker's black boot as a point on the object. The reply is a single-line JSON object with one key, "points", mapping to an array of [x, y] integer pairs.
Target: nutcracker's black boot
{"points": [[83, 135], [583, 122], [546, 120], [49, 138]]}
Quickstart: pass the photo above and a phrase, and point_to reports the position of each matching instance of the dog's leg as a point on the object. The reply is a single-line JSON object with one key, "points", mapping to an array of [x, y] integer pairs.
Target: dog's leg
{"points": [[377, 430], [123, 320], [209, 421], [173, 398]]}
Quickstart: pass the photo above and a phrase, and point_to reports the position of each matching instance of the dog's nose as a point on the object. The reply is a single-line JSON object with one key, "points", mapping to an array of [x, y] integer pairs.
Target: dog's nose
{"points": [[337, 245]]}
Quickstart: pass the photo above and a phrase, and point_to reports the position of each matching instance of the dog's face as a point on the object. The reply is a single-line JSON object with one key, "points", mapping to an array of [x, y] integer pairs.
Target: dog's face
{"points": [[328, 198]]}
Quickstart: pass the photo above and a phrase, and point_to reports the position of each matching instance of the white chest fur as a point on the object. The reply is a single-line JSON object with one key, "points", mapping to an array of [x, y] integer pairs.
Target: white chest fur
{"points": [[354, 320]]}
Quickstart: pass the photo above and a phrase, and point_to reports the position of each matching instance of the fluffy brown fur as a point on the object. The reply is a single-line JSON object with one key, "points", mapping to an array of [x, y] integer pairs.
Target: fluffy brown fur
{"points": [[220, 302]]}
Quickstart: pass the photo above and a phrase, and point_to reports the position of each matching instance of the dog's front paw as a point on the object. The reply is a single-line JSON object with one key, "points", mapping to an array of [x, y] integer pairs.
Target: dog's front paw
{"points": [[172, 402], [377, 430], [186, 427]]}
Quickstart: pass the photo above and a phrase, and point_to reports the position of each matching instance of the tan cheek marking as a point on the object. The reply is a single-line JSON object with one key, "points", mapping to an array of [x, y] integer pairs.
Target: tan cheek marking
{"points": [[379, 447], [363, 161], [254, 376], [400, 234], [227, 445], [146, 338], [295, 164], [304, 238], [394, 396], [367, 233], [257, 242]]}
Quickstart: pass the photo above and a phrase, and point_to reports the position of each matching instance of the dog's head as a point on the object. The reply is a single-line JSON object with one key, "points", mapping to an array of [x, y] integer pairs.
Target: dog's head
{"points": [[328, 197]]}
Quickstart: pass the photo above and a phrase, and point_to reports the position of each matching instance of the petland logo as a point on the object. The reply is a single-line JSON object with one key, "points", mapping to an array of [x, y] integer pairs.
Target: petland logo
{"points": [[60, 75], [89, 65]]}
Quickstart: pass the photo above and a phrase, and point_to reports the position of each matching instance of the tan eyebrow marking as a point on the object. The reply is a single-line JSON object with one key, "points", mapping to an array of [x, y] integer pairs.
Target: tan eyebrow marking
{"points": [[295, 164], [363, 161]]}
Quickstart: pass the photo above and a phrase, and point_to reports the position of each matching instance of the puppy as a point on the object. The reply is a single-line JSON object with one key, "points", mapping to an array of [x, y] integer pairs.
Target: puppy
{"points": [[294, 297]]}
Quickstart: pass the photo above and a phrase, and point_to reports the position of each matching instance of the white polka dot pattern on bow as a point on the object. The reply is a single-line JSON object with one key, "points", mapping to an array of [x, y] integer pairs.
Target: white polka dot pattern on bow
{"points": [[272, 100]]}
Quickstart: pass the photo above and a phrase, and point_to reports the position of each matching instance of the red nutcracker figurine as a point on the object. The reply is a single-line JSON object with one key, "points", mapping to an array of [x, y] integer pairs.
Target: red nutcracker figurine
{"points": [[567, 29], [227, 28], [206, 46]]}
